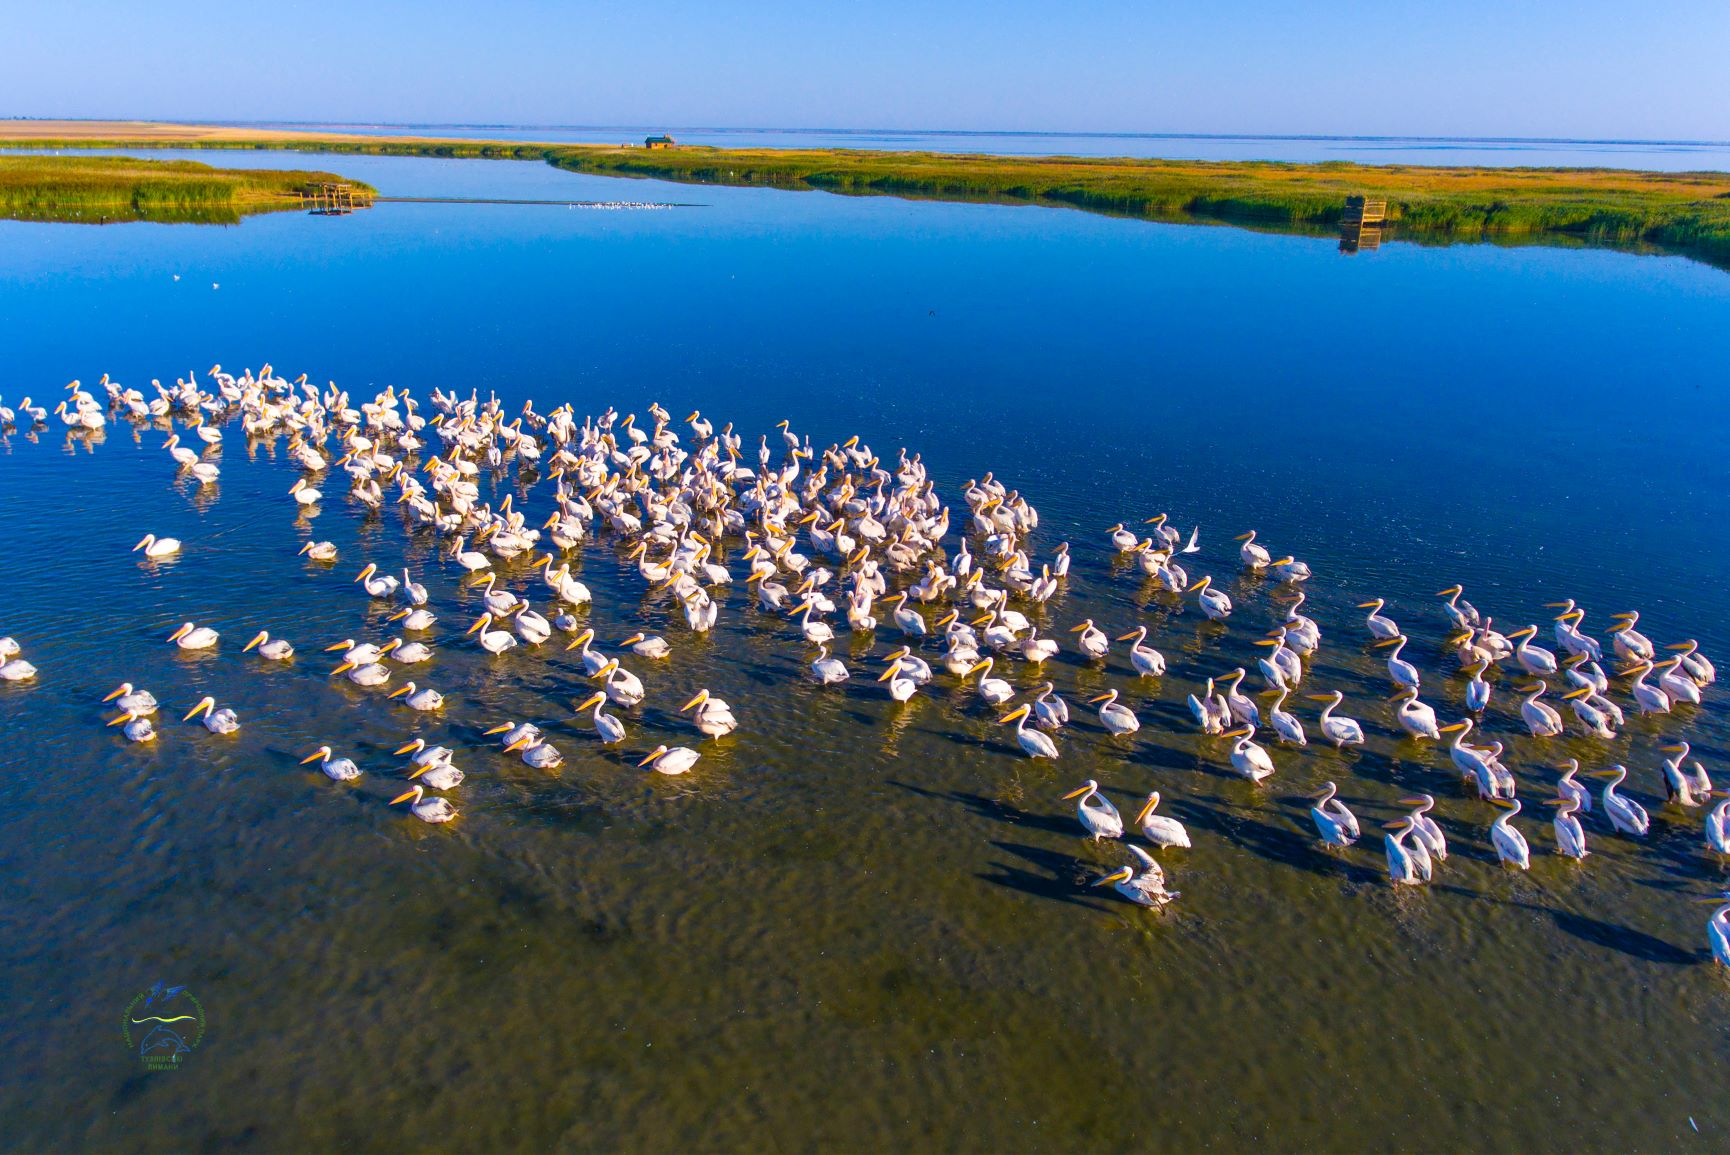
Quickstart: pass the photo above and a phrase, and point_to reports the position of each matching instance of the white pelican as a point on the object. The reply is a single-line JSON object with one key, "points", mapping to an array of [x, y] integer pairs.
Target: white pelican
{"points": [[408, 653], [512, 732], [319, 550], [1243, 708], [901, 684], [1718, 929], [815, 632], [223, 721], [1287, 727], [1477, 690], [1291, 570], [1050, 711], [305, 495], [675, 760], [1541, 718], [1510, 844], [1115, 716], [1036, 649], [1158, 828], [9, 648], [491, 640], [995, 691], [1696, 664], [1595, 720], [1254, 556], [1211, 712], [370, 674], [270, 649], [1402, 867], [338, 769], [647, 646], [1570, 835], [1381, 626], [593, 660], [1147, 661], [1474, 763], [1401, 671], [1144, 889], [498, 602], [471, 560], [1647, 699], [912, 665], [413, 592], [1425, 830], [828, 671], [1092, 641], [1097, 814], [713, 716], [1247, 758], [1535, 661], [1122, 539], [1460, 612], [359, 653], [1678, 685], [1626, 815], [1340, 731], [1415, 717], [531, 627], [191, 637], [1629, 642], [1718, 828], [1033, 743], [158, 547], [440, 775], [1216, 605], [538, 753], [131, 701], [1568, 634], [1335, 824], [1282, 667], [424, 808], [137, 727], [622, 687], [1690, 789], [608, 728], [907, 619], [17, 670], [425, 700], [1568, 787]]}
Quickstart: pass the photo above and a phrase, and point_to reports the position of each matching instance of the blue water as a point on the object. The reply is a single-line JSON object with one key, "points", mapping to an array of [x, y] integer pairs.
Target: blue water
{"points": [[855, 926]]}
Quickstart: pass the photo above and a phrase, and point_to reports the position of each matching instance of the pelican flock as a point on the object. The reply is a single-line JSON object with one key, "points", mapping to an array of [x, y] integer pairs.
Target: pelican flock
{"points": [[848, 557]]}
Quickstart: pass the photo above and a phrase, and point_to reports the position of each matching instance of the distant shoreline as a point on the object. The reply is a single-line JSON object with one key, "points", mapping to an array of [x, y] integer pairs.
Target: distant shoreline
{"points": [[1685, 213]]}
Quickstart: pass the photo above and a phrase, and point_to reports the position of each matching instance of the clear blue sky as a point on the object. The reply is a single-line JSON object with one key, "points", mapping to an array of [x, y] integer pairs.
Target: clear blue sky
{"points": [[1590, 68]]}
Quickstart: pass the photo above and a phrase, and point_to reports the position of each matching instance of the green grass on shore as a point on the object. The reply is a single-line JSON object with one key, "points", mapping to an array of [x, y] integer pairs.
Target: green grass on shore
{"points": [[1682, 212], [101, 189]]}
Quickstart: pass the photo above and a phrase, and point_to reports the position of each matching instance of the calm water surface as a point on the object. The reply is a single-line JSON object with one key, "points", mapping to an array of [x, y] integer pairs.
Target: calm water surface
{"points": [[854, 925]]}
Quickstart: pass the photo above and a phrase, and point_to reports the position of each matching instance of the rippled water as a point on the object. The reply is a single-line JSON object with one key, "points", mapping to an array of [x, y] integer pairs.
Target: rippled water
{"points": [[854, 925]]}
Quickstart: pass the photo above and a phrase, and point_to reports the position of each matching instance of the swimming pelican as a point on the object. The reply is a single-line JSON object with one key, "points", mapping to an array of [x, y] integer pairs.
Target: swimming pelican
{"points": [[995, 691], [1540, 717], [1568, 634], [1335, 824], [1535, 661], [1510, 844], [1098, 816], [371, 674], [425, 700], [1144, 889], [1425, 830], [319, 550], [359, 653], [1247, 758], [608, 728], [137, 727], [1570, 835], [305, 494], [512, 732], [1287, 727], [1050, 711], [1147, 661], [493, 641], [438, 775], [1158, 828], [1415, 717], [1254, 556], [1629, 642], [1477, 690], [1678, 685], [223, 721], [537, 753], [191, 637], [1690, 789], [1341, 731], [1214, 604], [413, 592], [647, 646], [531, 627], [1117, 718], [622, 687], [1474, 763], [1033, 743], [713, 716], [815, 632], [158, 547], [338, 769], [1402, 868], [17, 670], [424, 808], [1568, 787], [676, 760], [1596, 721], [1401, 671], [1647, 699], [1626, 815], [128, 700], [1282, 667], [270, 649], [1381, 626]]}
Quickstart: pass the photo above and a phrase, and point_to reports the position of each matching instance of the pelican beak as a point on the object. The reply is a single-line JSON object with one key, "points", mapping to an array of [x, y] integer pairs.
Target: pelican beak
{"points": [[1582, 692], [397, 693], [196, 711], [315, 756], [1451, 728], [517, 745], [1449, 592], [178, 634], [1123, 874], [1400, 825], [1267, 641], [653, 756], [403, 797], [1078, 629], [499, 729], [406, 749], [119, 720], [1127, 637], [1147, 809], [1243, 536], [1018, 712], [1077, 792], [344, 668], [1320, 697], [118, 690], [890, 672], [1197, 585], [256, 639], [1100, 698], [1673, 749], [335, 648]]}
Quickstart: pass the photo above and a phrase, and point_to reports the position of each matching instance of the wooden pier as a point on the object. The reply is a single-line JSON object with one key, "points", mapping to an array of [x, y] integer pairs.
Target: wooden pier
{"points": [[1364, 211], [329, 199]]}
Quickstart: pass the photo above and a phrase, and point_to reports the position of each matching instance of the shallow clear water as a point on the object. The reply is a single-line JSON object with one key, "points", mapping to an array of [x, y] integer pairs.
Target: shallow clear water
{"points": [[855, 925], [1660, 155]]}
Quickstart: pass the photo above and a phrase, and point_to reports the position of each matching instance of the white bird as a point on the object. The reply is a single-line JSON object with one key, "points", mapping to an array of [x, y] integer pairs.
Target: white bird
{"points": [[646, 646], [1335, 824], [995, 691], [1214, 604], [1114, 716], [1210, 711], [1690, 789], [1402, 867], [1158, 828], [158, 547], [1144, 889], [425, 700], [1247, 758], [901, 686], [608, 728], [137, 727], [319, 550], [1033, 743], [1718, 828], [306, 495], [1095, 811], [223, 721], [1401, 671], [270, 649], [1147, 661], [1415, 717], [378, 585], [129, 700], [1255, 557], [17, 670], [1050, 711], [1382, 627], [1425, 830], [338, 769], [364, 674], [827, 670], [1092, 641], [1567, 787], [191, 637], [1718, 929], [1570, 835], [424, 808], [1287, 726], [1510, 844], [1626, 815], [712, 716], [1647, 699], [491, 640], [1537, 662], [1341, 731], [675, 760], [536, 753], [1540, 717]]}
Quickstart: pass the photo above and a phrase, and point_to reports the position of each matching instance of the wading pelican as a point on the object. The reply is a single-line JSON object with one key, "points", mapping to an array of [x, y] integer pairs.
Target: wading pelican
{"points": [[1402, 868], [1537, 662], [17, 670], [607, 728], [337, 769], [1425, 830], [424, 808], [1287, 727], [1570, 835], [1158, 828], [712, 716], [1050, 711], [1718, 929], [1381, 626], [828, 671], [995, 691], [647, 646], [1626, 815], [1147, 661], [1401, 671], [1033, 743], [157, 547], [1510, 844], [676, 760], [1247, 758], [1092, 641], [1596, 721], [319, 550], [1647, 699], [1568, 787], [1254, 556], [901, 684], [1243, 708], [223, 721], [537, 753], [1096, 813], [373, 674], [1210, 711], [1632, 645], [1689, 788], [491, 640], [1117, 718], [269, 648], [1335, 824], [1541, 718], [1341, 731], [1414, 717], [1144, 889], [1216, 605], [1718, 828]]}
